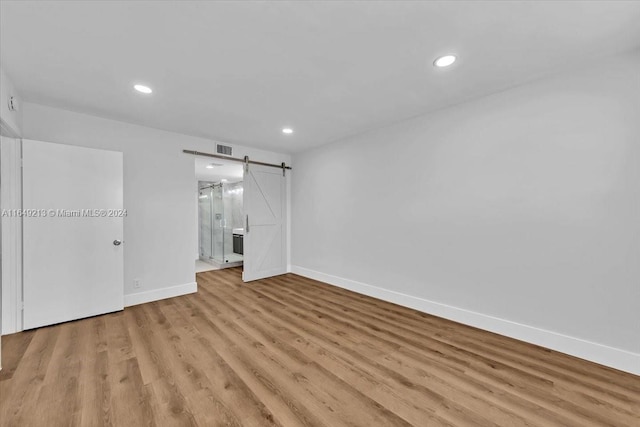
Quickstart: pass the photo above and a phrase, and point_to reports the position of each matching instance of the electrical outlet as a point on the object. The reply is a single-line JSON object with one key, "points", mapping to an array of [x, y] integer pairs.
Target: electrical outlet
{"points": [[137, 283]]}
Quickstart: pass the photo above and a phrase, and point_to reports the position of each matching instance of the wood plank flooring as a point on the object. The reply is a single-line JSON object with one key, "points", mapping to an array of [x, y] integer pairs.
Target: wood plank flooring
{"points": [[289, 351]]}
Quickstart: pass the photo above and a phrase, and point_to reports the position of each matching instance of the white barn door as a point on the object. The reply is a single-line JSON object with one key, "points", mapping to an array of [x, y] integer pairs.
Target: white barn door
{"points": [[72, 232], [265, 235]]}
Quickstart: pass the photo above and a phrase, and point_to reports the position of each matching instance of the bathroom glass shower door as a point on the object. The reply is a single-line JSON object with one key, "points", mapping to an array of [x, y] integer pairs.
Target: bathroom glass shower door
{"points": [[206, 225], [212, 223], [217, 224], [220, 218]]}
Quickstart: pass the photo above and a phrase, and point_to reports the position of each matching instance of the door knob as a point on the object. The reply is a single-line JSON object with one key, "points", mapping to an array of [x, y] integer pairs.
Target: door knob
{"points": [[117, 242]]}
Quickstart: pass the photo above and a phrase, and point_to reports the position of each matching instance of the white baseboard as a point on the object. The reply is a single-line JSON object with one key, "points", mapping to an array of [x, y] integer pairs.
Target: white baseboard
{"points": [[598, 353], [158, 294]]}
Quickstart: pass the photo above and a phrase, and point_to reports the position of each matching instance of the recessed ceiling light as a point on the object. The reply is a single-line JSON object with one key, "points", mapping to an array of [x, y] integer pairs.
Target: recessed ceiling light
{"points": [[445, 61], [143, 89], [287, 130]]}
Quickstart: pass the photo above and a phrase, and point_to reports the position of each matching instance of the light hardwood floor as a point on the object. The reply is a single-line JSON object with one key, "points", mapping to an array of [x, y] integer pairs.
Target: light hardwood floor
{"points": [[290, 351]]}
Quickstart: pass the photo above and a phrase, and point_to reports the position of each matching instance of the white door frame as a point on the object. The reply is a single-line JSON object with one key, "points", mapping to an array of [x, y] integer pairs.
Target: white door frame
{"points": [[11, 235]]}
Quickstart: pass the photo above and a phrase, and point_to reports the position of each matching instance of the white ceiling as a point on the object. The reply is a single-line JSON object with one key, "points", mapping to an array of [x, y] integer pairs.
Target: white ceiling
{"points": [[231, 171], [240, 71]]}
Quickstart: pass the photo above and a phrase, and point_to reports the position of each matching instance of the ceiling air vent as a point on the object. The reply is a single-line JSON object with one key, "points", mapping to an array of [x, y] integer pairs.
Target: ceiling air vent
{"points": [[223, 149]]}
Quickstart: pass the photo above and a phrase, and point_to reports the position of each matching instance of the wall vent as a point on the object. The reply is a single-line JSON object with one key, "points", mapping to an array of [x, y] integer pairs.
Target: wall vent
{"points": [[223, 149]]}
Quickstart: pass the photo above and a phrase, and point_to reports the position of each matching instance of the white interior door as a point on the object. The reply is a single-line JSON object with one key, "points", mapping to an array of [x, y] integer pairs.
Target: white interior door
{"points": [[265, 238], [73, 264]]}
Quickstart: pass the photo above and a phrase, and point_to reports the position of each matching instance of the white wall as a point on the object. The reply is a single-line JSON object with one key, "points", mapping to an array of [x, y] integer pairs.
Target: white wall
{"points": [[517, 212], [160, 230]]}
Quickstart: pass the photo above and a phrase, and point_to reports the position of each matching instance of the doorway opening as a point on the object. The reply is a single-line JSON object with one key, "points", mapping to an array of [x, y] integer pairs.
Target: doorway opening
{"points": [[221, 216]]}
